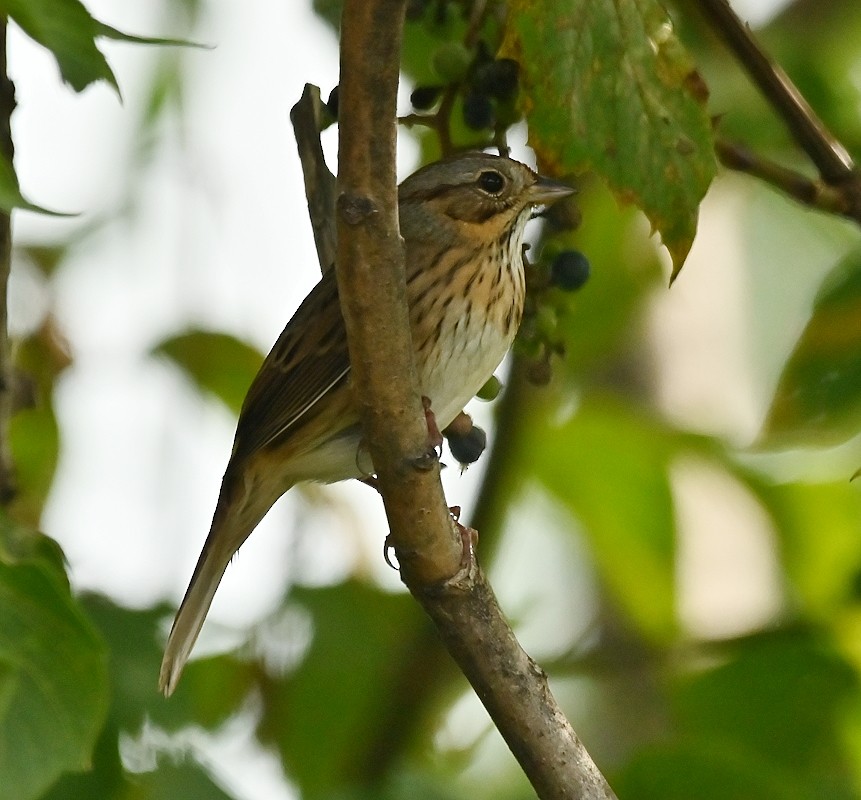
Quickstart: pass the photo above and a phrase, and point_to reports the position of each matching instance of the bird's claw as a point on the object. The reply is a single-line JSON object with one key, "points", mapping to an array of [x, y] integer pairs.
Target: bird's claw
{"points": [[371, 480], [388, 547], [468, 537], [434, 435]]}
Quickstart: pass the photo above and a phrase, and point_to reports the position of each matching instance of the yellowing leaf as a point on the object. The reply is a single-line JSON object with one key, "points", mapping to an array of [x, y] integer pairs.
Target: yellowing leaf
{"points": [[609, 87]]}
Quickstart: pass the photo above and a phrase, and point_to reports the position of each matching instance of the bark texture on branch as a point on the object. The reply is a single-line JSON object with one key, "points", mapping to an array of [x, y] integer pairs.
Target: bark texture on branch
{"points": [[373, 299], [373, 294], [320, 184]]}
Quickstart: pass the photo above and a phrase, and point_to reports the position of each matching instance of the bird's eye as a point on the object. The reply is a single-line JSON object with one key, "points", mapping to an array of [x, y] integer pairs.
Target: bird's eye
{"points": [[491, 182]]}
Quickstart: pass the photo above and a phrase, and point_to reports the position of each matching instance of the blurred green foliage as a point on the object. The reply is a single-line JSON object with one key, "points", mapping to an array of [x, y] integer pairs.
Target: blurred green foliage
{"points": [[215, 362], [53, 671], [367, 705], [818, 399]]}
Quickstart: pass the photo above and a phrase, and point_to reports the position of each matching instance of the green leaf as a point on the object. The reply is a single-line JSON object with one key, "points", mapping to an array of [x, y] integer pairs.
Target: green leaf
{"points": [[188, 781], [608, 86], [112, 33], [34, 435], [135, 656], [53, 680], [109, 781], [210, 690], [10, 192], [105, 779], [762, 716], [65, 28], [796, 671], [35, 440], [823, 569], [702, 770], [609, 467], [818, 396], [214, 362], [20, 544], [328, 716]]}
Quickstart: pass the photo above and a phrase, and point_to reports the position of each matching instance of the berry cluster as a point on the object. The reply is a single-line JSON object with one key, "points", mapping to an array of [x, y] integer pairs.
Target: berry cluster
{"points": [[486, 86], [549, 282], [490, 93], [468, 81]]}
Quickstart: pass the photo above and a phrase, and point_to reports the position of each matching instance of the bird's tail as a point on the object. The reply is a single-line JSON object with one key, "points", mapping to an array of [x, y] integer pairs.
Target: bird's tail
{"points": [[231, 526]]}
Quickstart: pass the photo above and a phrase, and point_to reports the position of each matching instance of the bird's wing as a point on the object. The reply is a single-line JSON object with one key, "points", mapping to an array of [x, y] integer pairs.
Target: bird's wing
{"points": [[309, 359]]}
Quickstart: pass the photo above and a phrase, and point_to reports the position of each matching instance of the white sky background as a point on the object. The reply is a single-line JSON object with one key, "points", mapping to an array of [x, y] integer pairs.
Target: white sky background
{"points": [[220, 230], [219, 238]]}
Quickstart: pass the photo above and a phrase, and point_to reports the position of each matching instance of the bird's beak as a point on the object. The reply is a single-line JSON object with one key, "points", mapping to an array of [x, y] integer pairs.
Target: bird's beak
{"points": [[545, 191]]}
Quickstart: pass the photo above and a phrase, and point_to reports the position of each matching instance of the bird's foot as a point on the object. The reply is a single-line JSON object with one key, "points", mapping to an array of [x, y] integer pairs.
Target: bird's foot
{"points": [[468, 537], [434, 435]]}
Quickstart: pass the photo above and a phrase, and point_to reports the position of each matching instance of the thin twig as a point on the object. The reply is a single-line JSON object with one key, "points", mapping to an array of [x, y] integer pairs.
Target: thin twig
{"points": [[827, 153], [7, 105], [319, 181], [809, 191], [476, 20]]}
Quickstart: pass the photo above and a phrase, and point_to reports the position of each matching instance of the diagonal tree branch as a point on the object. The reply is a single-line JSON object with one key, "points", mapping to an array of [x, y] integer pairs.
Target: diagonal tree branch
{"points": [[840, 188], [812, 192], [372, 295], [830, 157]]}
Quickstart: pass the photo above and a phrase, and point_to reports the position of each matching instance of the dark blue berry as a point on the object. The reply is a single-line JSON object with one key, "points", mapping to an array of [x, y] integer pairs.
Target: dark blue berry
{"points": [[497, 78], [478, 113], [570, 270], [424, 97], [468, 447]]}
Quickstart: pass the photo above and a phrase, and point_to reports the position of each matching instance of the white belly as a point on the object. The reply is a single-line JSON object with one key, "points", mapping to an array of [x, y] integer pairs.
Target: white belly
{"points": [[451, 380]]}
